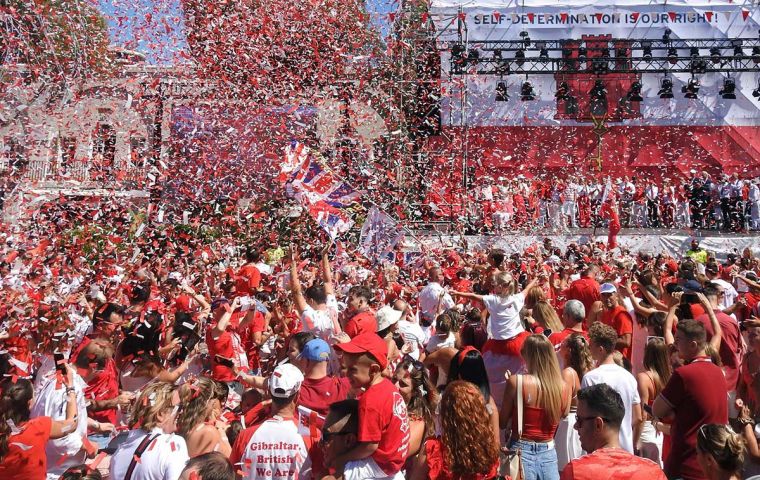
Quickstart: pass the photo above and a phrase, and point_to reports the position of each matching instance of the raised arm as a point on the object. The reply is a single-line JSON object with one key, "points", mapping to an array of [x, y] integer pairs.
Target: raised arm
{"points": [[670, 320], [717, 332], [327, 275], [221, 325], [295, 283], [473, 296]]}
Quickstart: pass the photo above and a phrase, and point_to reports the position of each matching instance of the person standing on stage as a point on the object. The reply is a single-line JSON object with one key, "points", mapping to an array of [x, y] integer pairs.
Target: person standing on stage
{"points": [[652, 194]]}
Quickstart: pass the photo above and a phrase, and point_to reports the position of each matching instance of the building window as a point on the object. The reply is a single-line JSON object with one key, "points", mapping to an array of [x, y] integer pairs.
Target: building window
{"points": [[104, 147]]}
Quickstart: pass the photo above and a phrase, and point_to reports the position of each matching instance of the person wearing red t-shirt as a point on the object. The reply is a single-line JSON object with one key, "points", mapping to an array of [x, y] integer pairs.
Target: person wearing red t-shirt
{"points": [[616, 316], [730, 349], [573, 315], [22, 453], [224, 342], [585, 289], [383, 422], [319, 390], [248, 278], [692, 398], [599, 417], [363, 320]]}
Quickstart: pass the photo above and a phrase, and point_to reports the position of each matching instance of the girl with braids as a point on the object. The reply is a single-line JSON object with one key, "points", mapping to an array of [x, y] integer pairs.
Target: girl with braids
{"points": [[466, 449], [650, 384], [576, 356], [546, 398], [202, 401], [22, 440], [421, 399]]}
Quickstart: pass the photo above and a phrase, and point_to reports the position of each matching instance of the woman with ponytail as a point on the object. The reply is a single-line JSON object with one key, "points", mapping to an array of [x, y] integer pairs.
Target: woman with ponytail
{"points": [[22, 440]]}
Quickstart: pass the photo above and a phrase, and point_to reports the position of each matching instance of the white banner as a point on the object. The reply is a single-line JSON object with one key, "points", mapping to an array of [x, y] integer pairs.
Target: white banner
{"points": [[487, 20]]}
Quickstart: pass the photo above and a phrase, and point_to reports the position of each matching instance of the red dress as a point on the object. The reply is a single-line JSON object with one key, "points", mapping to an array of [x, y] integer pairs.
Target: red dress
{"points": [[438, 470]]}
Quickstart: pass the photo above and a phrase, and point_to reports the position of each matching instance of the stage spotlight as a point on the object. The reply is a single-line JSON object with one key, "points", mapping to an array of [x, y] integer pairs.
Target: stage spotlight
{"points": [[634, 93], [646, 48], [666, 35], [691, 89], [694, 52], [673, 55], [666, 88], [501, 92], [543, 52], [756, 55], [563, 90], [715, 54], [526, 38], [502, 66], [526, 92], [567, 56], [582, 53], [520, 57], [571, 105], [728, 92], [756, 92], [738, 52], [473, 57]]}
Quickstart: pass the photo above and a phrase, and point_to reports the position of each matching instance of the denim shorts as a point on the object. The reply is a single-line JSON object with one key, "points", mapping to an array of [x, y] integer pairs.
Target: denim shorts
{"points": [[539, 460]]}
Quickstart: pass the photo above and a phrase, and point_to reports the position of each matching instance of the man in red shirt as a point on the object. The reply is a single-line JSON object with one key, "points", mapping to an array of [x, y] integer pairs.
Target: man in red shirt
{"points": [[585, 289], [617, 317], [695, 395], [383, 422], [319, 390], [730, 339], [363, 320], [573, 315], [248, 278], [600, 414]]}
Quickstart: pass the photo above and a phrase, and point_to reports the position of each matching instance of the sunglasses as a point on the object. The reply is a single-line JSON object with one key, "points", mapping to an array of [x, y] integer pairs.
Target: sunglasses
{"points": [[579, 420]]}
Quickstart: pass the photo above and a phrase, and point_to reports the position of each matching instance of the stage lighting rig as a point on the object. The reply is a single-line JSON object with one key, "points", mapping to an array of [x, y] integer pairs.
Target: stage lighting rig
{"points": [[646, 50], [756, 92], [520, 57], [525, 38], [502, 95], [634, 93], [563, 91], [543, 52], [715, 54], [666, 88], [691, 89], [527, 93], [673, 55], [728, 92], [756, 55], [738, 51]]}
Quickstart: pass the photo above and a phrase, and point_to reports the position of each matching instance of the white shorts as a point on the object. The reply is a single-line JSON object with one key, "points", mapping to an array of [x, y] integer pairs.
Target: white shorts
{"points": [[367, 469]]}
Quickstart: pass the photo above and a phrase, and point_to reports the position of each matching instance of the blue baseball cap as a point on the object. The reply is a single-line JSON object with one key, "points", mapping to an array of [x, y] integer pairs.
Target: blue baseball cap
{"points": [[316, 350]]}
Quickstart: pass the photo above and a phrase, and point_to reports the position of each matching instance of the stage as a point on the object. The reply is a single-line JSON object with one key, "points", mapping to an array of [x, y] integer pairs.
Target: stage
{"points": [[673, 242]]}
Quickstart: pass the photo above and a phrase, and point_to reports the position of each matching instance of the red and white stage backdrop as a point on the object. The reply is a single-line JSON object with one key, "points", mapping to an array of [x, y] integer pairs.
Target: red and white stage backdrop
{"points": [[662, 137]]}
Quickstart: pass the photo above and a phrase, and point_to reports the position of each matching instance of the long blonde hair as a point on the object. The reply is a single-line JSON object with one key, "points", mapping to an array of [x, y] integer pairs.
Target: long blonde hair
{"points": [[547, 316], [542, 363], [506, 281]]}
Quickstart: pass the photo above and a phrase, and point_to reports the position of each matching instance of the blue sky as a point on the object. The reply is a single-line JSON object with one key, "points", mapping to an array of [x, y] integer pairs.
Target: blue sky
{"points": [[156, 27]]}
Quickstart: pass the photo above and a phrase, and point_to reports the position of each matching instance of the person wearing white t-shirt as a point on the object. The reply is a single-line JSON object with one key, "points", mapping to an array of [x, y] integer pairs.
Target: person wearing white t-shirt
{"points": [[414, 337], [729, 292], [317, 305], [602, 344], [501, 353], [51, 401], [275, 449], [432, 300], [151, 450]]}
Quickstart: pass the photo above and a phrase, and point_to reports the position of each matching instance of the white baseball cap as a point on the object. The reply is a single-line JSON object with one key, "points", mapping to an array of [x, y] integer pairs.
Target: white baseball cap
{"points": [[386, 317], [285, 381], [607, 288]]}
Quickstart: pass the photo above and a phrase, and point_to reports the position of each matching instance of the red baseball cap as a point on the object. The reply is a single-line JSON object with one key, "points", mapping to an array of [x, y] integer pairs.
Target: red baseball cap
{"points": [[367, 343]]}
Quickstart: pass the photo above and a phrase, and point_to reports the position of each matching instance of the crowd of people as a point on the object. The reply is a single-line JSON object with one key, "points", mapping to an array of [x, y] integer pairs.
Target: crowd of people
{"points": [[145, 351], [728, 203]]}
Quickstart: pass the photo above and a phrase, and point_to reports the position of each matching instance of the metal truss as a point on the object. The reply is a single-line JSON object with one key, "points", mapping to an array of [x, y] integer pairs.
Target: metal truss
{"points": [[604, 55]]}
